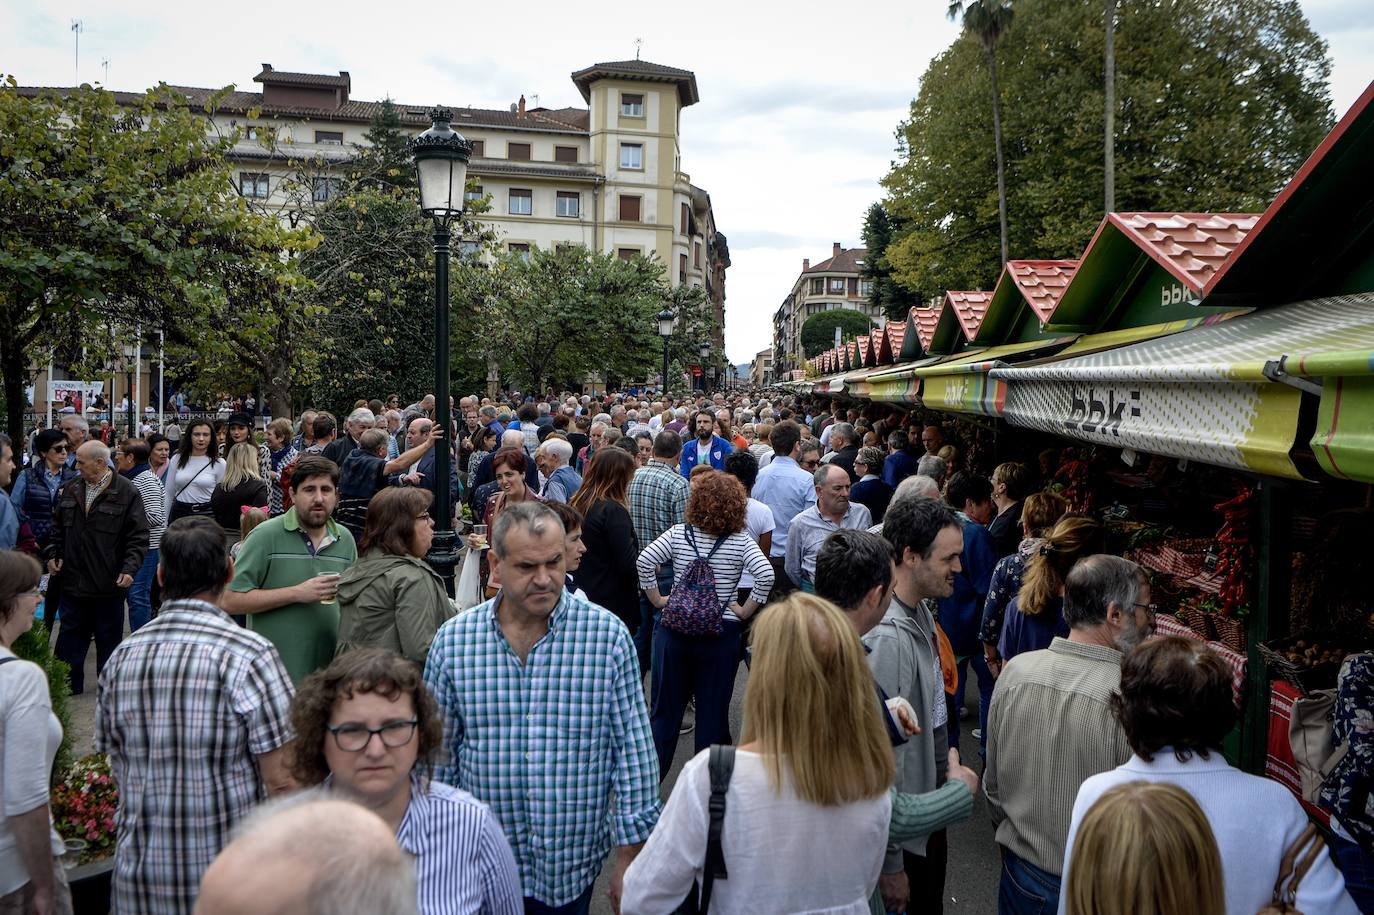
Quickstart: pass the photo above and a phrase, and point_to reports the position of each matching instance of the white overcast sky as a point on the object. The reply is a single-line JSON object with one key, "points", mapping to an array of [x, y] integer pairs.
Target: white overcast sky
{"points": [[799, 100]]}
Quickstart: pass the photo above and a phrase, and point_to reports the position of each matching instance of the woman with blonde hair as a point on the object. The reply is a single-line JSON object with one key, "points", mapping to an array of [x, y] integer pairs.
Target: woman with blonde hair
{"points": [[1036, 614], [1040, 513], [241, 486], [806, 814], [1145, 849]]}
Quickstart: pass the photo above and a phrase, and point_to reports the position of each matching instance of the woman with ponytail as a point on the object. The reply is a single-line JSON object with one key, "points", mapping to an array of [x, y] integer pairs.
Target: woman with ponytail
{"points": [[1036, 615]]}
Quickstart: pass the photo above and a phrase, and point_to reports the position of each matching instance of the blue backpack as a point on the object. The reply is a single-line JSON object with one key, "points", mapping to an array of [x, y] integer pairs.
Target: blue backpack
{"points": [[693, 607]]}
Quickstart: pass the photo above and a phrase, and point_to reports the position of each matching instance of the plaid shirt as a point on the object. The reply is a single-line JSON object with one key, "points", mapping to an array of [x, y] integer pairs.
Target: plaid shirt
{"points": [[658, 500], [184, 706], [548, 742]]}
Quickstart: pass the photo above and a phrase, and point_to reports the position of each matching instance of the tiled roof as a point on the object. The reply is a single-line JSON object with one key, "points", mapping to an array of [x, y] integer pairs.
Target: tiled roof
{"points": [[640, 66], [865, 347], [895, 332], [851, 355], [686, 80], [268, 75], [1191, 246], [844, 262], [1041, 283], [483, 166], [875, 345], [927, 320], [969, 308]]}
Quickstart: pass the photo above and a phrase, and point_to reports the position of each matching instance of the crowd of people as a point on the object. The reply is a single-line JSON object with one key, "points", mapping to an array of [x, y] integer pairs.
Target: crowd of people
{"points": [[301, 718]]}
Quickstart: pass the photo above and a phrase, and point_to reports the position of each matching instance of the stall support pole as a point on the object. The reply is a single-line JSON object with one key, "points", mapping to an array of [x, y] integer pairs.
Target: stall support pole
{"points": [[1269, 616]]}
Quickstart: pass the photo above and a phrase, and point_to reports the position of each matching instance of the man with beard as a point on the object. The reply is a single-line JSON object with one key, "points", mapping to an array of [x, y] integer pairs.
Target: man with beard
{"points": [[1051, 725], [926, 539], [706, 447], [288, 572]]}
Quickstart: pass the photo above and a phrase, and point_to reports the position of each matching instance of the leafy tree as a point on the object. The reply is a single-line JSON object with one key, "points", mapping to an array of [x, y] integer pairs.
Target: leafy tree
{"points": [[878, 233], [385, 160], [1109, 119], [818, 333], [1218, 103]]}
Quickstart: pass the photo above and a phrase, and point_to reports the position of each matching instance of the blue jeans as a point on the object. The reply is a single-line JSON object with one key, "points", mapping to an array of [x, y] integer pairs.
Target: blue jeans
{"points": [[579, 906], [140, 593], [1026, 889], [956, 703], [686, 666], [1358, 869]]}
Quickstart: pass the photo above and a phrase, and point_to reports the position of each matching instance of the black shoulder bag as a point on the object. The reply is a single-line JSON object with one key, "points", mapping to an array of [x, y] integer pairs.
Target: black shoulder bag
{"points": [[722, 766]]}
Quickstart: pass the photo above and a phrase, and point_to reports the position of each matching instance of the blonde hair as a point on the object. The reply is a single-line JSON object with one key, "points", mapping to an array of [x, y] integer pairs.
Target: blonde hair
{"points": [[249, 520], [1145, 849], [240, 464], [1070, 540], [281, 428], [810, 704]]}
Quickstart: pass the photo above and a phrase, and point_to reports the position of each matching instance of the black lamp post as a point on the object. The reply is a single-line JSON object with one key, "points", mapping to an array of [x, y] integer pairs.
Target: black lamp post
{"points": [[441, 163], [665, 330], [704, 348]]}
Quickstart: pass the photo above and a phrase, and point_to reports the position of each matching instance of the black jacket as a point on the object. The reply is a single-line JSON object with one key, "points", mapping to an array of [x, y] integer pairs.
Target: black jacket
{"points": [[98, 546], [845, 458], [608, 574]]}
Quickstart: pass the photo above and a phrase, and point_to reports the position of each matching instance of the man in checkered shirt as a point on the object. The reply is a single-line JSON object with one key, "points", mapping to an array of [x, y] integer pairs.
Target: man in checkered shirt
{"points": [[544, 719], [194, 712]]}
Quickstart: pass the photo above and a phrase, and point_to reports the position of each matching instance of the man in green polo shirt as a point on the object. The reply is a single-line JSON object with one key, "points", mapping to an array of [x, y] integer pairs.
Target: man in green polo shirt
{"points": [[281, 579]]}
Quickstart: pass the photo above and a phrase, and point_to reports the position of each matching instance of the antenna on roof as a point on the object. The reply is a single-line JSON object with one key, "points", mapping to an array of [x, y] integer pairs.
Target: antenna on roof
{"points": [[105, 65], [639, 43], [77, 29]]}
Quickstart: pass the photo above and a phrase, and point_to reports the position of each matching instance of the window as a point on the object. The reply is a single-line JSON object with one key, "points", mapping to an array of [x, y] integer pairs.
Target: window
{"points": [[255, 132], [253, 184], [837, 284], [631, 155], [479, 147], [627, 254], [520, 249], [469, 248], [696, 254], [631, 106], [521, 202], [682, 268], [569, 203], [866, 288], [629, 208], [518, 151], [473, 193], [853, 285], [329, 137], [686, 218], [817, 286], [565, 154], [324, 189]]}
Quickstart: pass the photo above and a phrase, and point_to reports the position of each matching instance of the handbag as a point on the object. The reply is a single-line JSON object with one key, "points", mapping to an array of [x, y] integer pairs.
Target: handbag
{"points": [[1291, 871], [722, 766], [468, 592], [187, 509], [1309, 733]]}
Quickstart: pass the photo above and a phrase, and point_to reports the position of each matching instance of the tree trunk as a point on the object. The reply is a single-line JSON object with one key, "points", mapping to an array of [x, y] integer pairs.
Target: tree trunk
{"points": [[997, 141], [13, 367], [1109, 120], [276, 386]]}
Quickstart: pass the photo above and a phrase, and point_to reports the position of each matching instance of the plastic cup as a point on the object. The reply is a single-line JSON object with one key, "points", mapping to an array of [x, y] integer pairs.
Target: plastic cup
{"points": [[479, 531], [333, 576]]}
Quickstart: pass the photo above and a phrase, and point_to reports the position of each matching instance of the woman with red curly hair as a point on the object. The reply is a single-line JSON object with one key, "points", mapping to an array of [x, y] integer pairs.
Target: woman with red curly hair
{"points": [[699, 665]]}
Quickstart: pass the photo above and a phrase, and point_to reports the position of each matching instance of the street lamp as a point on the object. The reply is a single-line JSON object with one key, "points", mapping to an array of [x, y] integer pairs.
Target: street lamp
{"points": [[665, 330], [441, 163], [704, 348]]}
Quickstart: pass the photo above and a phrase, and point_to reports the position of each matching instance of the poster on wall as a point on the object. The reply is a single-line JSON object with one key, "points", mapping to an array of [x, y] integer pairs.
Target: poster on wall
{"points": [[79, 395]]}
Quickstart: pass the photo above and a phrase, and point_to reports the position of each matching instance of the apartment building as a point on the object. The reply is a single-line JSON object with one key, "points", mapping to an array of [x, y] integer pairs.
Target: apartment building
{"points": [[832, 284], [761, 369]]}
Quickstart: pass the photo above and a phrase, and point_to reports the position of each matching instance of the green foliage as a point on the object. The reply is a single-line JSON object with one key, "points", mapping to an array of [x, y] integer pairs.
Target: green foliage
{"points": [[1218, 103], [878, 232], [818, 333], [385, 161], [36, 646]]}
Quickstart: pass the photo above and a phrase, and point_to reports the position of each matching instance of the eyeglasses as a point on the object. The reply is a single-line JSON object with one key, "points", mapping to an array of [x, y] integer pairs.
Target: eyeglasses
{"points": [[811, 465], [354, 738], [1153, 609], [58, 448], [423, 516]]}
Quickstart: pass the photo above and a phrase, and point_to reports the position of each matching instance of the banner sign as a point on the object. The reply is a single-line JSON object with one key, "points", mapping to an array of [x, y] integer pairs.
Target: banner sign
{"points": [[79, 395]]}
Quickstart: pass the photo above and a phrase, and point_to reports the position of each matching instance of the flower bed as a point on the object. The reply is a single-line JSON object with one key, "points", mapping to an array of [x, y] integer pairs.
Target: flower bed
{"points": [[83, 805]]}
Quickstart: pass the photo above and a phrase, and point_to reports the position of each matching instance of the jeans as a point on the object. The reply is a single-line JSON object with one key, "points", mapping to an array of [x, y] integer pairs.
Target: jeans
{"points": [[925, 874], [140, 593], [956, 702], [648, 617], [579, 906], [1026, 889], [1358, 869], [686, 666], [82, 618]]}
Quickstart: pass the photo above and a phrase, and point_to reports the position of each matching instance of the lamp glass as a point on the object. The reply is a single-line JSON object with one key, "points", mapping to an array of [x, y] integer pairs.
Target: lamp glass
{"points": [[441, 183], [665, 323]]}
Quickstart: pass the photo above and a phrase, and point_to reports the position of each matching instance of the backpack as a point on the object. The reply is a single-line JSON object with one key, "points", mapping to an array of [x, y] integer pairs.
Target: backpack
{"points": [[693, 607]]}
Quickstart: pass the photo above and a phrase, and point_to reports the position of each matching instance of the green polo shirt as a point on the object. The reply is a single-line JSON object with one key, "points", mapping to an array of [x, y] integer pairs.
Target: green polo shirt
{"points": [[278, 555]]}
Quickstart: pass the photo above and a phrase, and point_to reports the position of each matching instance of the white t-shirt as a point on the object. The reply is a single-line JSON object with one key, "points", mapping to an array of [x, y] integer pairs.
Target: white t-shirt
{"points": [[771, 847], [758, 520], [26, 723], [193, 483]]}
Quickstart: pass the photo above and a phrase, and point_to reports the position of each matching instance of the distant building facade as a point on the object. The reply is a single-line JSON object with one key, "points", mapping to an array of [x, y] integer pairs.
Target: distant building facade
{"points": [[835, 283]]}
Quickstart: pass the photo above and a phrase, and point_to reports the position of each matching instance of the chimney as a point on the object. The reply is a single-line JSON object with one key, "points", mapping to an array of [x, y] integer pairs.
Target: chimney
{"points": [[520, 111], [267, 68], [835, 252], [806, 263]]}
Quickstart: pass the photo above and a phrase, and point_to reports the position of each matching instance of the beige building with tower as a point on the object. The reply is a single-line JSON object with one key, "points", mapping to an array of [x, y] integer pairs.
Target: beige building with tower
{"points": [[832, 284]]}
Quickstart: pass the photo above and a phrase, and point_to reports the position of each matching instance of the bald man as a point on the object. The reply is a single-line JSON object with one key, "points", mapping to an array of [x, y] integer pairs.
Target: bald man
{"points": [[99, 540], [310, 855]]}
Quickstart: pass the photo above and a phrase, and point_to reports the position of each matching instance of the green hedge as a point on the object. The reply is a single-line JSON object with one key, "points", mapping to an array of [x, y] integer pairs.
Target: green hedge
{"points": [[36, 646]]}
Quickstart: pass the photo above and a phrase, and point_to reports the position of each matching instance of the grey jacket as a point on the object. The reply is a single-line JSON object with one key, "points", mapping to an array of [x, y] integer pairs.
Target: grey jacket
{"points": [[903, 661]]}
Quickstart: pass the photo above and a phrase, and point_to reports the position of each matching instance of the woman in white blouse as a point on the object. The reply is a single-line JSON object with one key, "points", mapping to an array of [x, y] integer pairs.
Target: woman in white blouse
{"points": [[193, 472], [806, 815]]}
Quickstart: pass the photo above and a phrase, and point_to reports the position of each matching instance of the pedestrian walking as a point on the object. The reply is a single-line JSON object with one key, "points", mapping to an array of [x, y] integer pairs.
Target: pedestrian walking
{"points": [[193, 473], [132, 463], [241, 487], [607, 574]]}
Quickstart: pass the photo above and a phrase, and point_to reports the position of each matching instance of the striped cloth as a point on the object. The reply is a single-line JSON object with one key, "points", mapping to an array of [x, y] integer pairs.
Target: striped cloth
{"points": [[151, 491], [737, 553], [548, 743], [1234, 661]]}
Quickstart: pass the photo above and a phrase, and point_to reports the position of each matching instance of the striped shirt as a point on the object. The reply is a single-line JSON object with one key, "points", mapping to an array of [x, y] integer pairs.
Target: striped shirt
{"points": [[463, 863], [549, 743], [681, 544], [658, 500], [184, 706], [1050, 727], [151, 491]]}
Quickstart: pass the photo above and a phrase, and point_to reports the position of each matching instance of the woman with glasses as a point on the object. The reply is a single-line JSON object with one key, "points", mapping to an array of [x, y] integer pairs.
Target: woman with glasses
{"points": [[391, 598], [366, 727], [35, 490]]}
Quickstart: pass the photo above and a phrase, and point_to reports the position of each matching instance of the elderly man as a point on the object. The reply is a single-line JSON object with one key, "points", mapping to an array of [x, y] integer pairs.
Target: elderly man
{"points": [[844, 449], [367, 471], [933, 439], [787, 489], [306, 438], [596, 434], [1056, 704], [99, 540], [210, 747], [563, 481], [566, 778], [77, 430], [831, 512], [421, 473], [933, 466], [358, 422]]}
